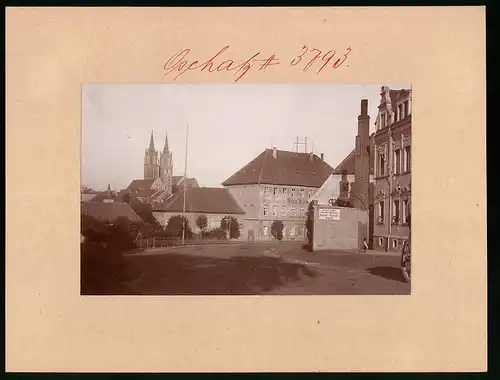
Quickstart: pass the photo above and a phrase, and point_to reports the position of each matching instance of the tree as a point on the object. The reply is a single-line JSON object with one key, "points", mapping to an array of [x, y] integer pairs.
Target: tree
{"points": [[234, 226], [202, 222], [310, 225], [144, 210], [176, 225], [85, 189], [277, 229]]}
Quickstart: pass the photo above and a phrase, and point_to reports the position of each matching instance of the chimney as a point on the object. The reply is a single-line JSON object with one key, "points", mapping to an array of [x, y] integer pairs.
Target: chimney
{"points": [[322, 157], [364, 107], [275, 152], [311, 156], [109, 190]]}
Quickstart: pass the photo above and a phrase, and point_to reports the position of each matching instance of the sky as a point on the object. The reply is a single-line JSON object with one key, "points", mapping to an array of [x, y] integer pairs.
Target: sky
{"points": [[229, 125]]}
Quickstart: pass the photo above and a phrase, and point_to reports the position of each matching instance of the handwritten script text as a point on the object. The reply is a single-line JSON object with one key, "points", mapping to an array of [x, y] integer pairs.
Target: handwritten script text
{"points": [[306, 59]]}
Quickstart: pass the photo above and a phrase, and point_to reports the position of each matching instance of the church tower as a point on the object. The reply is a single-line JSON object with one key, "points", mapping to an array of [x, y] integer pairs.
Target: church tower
{"points": [[151, 164], [166, 166]]}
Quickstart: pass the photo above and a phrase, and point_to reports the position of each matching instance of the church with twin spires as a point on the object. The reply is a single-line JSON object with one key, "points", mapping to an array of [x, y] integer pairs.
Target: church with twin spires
{"points": [[158, 183], [158, 164]]}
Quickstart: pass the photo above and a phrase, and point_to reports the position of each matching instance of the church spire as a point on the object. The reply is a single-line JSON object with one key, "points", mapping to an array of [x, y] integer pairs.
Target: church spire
{"points": [[151, 143], [165, 148]]}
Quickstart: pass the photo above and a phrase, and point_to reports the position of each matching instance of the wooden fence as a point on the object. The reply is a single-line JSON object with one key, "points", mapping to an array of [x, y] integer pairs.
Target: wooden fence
{"points": [[157, 242]]}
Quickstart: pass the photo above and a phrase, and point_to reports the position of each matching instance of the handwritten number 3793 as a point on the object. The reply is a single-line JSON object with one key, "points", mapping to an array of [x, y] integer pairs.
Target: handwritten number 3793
{"points": [[315, 54]]}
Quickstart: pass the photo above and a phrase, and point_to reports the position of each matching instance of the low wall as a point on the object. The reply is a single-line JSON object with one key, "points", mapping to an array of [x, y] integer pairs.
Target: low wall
{"points": [[339, 228]]}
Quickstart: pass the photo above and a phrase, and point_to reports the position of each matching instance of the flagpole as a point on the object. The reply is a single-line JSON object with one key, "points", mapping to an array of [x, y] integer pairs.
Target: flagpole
{"points": [[185, 182]]}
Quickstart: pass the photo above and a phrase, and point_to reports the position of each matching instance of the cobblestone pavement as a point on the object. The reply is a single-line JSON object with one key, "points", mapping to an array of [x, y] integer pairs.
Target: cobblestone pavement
{"points": [[264, 268]]}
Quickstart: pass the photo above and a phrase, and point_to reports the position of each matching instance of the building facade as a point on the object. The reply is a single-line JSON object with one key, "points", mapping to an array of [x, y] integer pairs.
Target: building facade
{"points": [[392, 159], [277, 185], [213, 202]]}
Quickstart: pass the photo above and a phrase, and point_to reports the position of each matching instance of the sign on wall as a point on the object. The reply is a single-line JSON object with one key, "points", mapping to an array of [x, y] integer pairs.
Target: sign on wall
{"points": [[329, 213]]}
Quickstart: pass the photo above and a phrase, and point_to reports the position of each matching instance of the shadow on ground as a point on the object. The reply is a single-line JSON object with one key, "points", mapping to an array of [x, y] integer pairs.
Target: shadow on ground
{"points": [[177, 274], [389, 273]]}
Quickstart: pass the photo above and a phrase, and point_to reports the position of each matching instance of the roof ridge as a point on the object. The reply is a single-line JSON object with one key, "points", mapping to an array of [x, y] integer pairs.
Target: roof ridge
{"points": [[262, 167]]}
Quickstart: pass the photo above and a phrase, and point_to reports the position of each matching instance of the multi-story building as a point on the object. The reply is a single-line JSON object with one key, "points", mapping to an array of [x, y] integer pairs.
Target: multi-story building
{"points": [[277, 185], [392, 158]]}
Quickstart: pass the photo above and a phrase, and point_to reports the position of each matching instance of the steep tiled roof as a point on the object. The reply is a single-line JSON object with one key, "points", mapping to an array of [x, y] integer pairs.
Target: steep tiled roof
{"points": [[347, 164], [140, 184], [178, 180], [209, 200], [288, 168], [109, 211], [103, 195]]}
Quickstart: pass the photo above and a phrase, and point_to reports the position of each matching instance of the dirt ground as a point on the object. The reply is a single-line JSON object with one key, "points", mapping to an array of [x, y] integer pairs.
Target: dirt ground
{"points": [[263, 269]]}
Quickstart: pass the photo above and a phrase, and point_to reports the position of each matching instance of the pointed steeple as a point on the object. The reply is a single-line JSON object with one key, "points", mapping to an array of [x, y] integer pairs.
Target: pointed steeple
{"points": [[151, 143], [165, 148]]}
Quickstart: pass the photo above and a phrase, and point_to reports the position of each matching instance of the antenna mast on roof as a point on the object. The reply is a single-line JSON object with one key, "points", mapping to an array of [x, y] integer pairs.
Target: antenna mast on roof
{"points": [[297, 143]]}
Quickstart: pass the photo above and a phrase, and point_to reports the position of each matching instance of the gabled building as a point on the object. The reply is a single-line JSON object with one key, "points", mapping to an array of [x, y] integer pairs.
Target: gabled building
{"points": [[148, 190], [356, 171], [213, 202], [109, 212], [276, 185], [392, 158]]}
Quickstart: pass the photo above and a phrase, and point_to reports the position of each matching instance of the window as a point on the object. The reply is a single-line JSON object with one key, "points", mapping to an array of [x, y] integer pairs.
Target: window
{"points": [[406, 110], [405, 210], [264, 231], [381, 212], [400, 112], [302, 212], [310, 193], [407, 159], [381, 165], [301, 231], [382, 120], [380, 241], [266, 210], [292, 211], [292, 191], [275, 190], [266, 190], [397, 161], [394, 243], [395, 211], [302, 192], [275, 210], [284, 190]]}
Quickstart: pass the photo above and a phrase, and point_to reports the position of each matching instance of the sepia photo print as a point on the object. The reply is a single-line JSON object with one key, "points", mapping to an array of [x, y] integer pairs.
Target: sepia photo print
{"points": [[246, 189]]}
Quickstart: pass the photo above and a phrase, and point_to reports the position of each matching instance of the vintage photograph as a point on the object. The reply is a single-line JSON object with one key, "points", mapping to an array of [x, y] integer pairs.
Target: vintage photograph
{"points": [[246, 189]]}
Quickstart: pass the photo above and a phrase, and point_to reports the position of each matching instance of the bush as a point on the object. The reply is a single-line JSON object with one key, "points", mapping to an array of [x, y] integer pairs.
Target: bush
{"points": [[277, 229], [217, 233], [103, 268], [176, 225]]}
